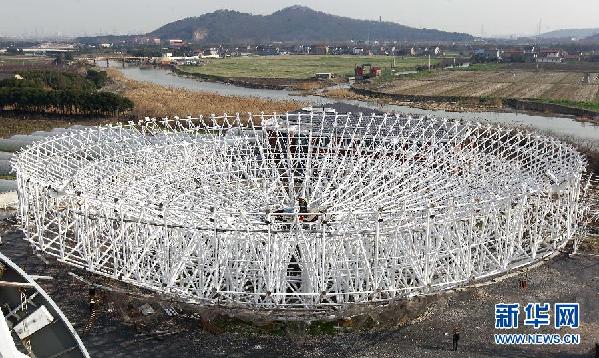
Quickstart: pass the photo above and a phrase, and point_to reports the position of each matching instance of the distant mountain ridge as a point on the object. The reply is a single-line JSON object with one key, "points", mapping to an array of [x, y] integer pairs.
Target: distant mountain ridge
{"points": [[570, 33], [593, 38], [295, 23]]}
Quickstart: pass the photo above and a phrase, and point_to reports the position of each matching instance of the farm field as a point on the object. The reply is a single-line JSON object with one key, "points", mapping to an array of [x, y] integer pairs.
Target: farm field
{"points": [[550, 85], [296, 67]]}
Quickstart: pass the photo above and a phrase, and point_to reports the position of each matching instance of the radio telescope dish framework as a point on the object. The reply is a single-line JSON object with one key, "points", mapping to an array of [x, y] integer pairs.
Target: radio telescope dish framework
{"points": [[299, 210]]}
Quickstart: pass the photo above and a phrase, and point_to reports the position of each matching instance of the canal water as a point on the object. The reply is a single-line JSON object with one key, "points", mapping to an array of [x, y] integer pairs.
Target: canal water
{"points": [[562, 126]]}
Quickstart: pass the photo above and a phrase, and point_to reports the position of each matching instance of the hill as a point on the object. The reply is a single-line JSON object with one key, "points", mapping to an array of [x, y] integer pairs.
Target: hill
{"points": [[570, 33], [295, 23], [595, 37]]}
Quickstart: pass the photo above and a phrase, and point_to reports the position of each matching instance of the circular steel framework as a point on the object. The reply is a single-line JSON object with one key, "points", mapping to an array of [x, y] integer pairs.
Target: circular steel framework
{"points": [[299, 210]]}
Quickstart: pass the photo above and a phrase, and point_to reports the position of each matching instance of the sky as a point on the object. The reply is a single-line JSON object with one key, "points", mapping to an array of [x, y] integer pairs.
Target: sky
{"points": [[46, 18]]}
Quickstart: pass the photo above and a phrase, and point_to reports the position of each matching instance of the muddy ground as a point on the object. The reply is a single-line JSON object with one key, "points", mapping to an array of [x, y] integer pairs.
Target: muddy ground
{"points": [[122, 331]]}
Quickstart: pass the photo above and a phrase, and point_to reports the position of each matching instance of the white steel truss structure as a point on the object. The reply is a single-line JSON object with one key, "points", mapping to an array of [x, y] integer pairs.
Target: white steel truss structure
{"points": [[299, 210]]}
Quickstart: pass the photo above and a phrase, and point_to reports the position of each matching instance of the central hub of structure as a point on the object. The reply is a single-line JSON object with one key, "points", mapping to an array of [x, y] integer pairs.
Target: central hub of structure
{"points": [[299, 210]]}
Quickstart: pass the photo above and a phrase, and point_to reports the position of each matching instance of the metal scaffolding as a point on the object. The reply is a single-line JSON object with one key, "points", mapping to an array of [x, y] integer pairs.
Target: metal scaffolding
{"points": [[299, 210]]}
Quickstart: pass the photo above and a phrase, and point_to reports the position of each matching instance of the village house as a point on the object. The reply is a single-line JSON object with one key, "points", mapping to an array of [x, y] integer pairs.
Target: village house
{"points": [[487, 55], [513, 55], [551, 56], [212, 52], [319, 50]]}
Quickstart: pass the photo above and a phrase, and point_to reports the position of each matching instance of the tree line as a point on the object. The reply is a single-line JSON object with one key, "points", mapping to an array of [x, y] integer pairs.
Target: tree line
{"points": [[63, 101], [61, 93]]}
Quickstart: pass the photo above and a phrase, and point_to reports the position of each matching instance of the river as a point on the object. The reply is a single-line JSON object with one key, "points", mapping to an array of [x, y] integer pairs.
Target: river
{"points": [[561, 126]]}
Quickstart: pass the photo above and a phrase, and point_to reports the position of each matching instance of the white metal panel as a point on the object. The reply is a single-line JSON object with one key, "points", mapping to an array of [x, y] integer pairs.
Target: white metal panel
{"points": [[39, 319]]}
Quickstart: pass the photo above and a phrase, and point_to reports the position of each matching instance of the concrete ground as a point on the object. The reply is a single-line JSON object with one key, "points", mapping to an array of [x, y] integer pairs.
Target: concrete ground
{"points": [[117, 333]]}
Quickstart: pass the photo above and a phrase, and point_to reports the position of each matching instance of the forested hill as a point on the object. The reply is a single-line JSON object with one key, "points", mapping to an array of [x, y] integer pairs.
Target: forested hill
{"points": [[295, 23]]}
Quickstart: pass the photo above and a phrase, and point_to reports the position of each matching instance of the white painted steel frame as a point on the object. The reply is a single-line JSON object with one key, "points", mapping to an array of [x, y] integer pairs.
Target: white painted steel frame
{"points": [[299, 210]]}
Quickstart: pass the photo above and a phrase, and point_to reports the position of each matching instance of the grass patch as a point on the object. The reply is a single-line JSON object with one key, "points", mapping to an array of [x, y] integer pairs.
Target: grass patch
{"points": [[417, 76], [8, 177], [481, 67], [322, 328], [296, 67], [388, 75]]}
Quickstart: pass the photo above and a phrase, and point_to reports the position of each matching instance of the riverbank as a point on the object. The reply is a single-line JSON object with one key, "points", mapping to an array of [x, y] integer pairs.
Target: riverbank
{"points": [[476, 104], [153, 100], [260, 83], [327, 89], [448, 106], [555, 125], [322, 89], [563, 91]]}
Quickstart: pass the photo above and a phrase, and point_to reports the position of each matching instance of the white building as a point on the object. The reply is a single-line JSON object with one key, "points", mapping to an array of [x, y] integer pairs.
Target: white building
{"points": [[358, 51], [551, 57], [212, 52]]}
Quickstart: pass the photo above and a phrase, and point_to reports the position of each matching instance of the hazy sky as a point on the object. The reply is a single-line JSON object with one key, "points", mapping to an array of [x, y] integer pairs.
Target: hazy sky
{"points": [[79, 17]]}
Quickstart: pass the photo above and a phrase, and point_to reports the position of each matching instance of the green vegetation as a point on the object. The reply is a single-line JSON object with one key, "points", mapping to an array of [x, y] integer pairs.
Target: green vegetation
{"points": [[320, 328], [56, 80], [99, 78], [296, 67], [591, 106], [63, 101], [481, 67], [388, 75], [62, 93]]}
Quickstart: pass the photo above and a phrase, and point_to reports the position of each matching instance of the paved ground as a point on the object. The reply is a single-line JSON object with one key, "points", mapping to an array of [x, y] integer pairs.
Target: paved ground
{"points": [[118, 333]]}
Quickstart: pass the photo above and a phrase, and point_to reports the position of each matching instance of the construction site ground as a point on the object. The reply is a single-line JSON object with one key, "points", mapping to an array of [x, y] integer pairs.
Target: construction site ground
{"points": [[168, 329]]}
